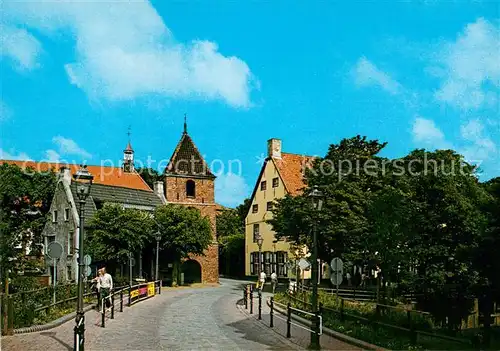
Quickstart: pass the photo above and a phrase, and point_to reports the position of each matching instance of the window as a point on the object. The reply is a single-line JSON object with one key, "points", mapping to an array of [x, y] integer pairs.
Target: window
{"points": [[282, 258], [66, 214], [68, 273], [54, 216], [269, 205], [70, 243], [275, 182], [48, 240], [255, 208], [190, 188], [263, 185], [267, 262], [254, 263], [255, 232]]}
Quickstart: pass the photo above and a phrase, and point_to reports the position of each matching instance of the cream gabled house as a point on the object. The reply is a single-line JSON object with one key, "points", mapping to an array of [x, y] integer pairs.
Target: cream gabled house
{"points": [[281, 174]]}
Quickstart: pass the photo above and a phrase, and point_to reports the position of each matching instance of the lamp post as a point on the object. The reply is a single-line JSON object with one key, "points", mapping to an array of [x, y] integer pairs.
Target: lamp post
{"points": [[83, 180], [275, 261], [158, 238], [259, 243], [316, 197]]}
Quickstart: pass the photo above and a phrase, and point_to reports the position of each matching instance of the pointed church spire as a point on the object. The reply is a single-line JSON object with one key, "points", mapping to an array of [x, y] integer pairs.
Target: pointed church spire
{"points": [[185, 124]]}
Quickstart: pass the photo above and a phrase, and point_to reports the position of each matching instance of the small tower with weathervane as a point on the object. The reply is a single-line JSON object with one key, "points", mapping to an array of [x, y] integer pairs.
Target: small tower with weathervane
{"points": [[128, 157]]}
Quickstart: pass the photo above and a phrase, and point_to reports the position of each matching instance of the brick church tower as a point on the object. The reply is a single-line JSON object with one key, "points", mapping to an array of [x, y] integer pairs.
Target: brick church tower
{"points": [[189, 182]]}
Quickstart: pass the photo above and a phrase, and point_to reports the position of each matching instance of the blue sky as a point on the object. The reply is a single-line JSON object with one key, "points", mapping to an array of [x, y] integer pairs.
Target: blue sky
{"points": [[417, 74]]}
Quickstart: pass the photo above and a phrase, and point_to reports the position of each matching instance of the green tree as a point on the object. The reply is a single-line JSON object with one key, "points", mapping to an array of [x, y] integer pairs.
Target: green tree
{"points": [[150, 175], [231, 238], [114, 232], [348, 190], [25, 198], [184, 232]]}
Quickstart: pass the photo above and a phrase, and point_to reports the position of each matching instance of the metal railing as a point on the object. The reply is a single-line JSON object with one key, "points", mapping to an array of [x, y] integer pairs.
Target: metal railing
{"points": [[287, 309], [134, 294]]}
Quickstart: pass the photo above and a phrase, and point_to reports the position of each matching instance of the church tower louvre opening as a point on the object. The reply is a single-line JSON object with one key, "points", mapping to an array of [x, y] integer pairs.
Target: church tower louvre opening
{"points": [[190, 182]]}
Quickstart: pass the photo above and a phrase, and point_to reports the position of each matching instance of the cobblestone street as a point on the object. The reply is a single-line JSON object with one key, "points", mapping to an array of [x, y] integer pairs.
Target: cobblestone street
{"points": [[178, 319]]}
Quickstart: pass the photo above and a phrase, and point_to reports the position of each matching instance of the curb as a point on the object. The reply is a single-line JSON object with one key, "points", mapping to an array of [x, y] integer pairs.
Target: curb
{"points": [[51, 325], [334, 334]]}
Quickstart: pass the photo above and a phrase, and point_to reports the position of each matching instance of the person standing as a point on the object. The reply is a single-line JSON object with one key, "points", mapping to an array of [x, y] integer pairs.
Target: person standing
{"points": [[262, 280], [106, 286], [274, 281], [97, 281]]}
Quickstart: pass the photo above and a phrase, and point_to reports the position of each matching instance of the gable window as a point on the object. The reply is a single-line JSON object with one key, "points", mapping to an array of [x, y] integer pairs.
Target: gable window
{"points": [[263, 185], [54, 216], [255, 208], [269, 205], [275, 182], [48, 240], [66, 214], [256, 232], [190, 188], [70, 243]]}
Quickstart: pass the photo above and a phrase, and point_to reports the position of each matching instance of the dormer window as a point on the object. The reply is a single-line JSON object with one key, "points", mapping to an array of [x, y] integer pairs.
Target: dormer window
{"points": [[190, 188]]}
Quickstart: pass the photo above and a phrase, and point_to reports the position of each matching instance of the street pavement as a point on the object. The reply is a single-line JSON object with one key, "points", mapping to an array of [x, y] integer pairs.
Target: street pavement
{"points": [[178, 319]]}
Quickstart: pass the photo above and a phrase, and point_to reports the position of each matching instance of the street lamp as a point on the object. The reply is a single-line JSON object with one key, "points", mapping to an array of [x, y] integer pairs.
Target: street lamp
{"points": [[158, 238], [83, 180], [260, 240], [316, 197]]}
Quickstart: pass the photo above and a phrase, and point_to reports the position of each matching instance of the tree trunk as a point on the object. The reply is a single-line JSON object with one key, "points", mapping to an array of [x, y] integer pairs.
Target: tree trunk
{"points": [[175, 272]]}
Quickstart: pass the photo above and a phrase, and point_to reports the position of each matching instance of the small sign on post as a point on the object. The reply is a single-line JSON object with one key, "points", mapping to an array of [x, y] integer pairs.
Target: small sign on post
{"points": [[54, 252], [337, 267]]}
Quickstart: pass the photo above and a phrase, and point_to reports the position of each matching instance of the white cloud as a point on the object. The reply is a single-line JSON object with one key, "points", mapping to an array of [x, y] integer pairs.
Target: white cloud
{"points": [[20, 46], [230, 189], [4, 155], [426, 133], [481, 147], [52, 156], [68, 146], [367, 74], [125, 50], [470, 67]]}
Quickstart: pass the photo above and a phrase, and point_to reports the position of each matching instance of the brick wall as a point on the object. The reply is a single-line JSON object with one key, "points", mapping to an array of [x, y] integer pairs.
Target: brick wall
{"points": [[175, 192]]}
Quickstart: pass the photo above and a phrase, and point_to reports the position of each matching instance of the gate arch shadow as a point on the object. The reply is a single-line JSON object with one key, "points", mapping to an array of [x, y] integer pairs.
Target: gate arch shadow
{"points": [[192, 271]]}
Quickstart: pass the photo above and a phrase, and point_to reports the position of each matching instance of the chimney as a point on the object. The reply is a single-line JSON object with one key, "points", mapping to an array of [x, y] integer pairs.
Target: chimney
{"points": [[160, 191], [274, 148], [65, 174]]}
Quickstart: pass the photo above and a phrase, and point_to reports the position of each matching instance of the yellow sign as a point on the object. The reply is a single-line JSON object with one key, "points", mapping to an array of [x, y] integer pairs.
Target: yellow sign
{"points": [[134, 293], [151, 289]]}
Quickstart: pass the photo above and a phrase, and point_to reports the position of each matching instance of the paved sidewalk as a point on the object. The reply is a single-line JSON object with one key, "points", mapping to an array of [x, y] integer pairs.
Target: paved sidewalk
{"points": [[299, 336]]}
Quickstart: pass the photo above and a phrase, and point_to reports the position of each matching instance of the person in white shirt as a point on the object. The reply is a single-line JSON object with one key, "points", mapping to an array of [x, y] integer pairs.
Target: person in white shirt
{"points": [[262, 280], [274, 281], [106, 283]]}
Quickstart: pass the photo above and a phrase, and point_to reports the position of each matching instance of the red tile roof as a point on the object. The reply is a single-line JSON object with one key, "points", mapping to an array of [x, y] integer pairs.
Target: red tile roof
{"points": [[114, 176], [291, 168]]}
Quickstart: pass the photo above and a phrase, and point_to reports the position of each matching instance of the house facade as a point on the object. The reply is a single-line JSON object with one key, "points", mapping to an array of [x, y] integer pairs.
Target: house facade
{"points": [[281, 174]]}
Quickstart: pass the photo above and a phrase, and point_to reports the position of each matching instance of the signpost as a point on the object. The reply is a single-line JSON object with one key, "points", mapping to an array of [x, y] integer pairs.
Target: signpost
{"points": [[54, 252], [337, 267]]}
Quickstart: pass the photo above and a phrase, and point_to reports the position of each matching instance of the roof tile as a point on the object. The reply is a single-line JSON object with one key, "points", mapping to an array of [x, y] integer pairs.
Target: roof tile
{"points": [[291, 168], [114, 176]]}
